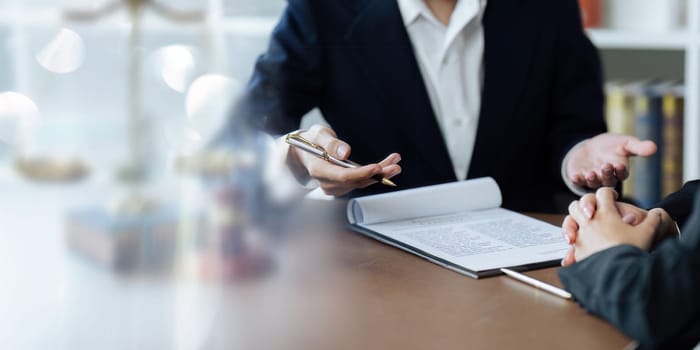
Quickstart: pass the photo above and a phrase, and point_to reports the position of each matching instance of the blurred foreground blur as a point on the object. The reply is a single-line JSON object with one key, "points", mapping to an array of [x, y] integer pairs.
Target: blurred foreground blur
{"points": [[77, 276], [123, 225]]}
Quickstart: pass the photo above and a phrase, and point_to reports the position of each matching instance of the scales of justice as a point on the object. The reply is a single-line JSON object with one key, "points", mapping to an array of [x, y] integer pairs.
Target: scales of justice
{"points": [[141, 233], [135, 172], [137, 233]]}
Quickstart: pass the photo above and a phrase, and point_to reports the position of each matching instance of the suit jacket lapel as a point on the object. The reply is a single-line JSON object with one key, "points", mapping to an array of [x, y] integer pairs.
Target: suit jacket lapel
{"points": [[509, 43], [386, 54]]}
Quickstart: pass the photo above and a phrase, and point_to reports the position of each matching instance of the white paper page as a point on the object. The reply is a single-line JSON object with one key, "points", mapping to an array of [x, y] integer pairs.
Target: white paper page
{"points": [[479, 240], [448, 198]]}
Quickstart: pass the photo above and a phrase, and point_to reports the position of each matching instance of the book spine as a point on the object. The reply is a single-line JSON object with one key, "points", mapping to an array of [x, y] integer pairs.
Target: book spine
{"points": [[590, 13], [647, 170], [672, 150], [619, 114]]}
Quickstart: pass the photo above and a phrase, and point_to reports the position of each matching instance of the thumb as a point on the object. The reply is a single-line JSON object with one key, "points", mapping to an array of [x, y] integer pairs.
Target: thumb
{"points": [[652, 222], [629, 219], [329, 142], [637, 147]]}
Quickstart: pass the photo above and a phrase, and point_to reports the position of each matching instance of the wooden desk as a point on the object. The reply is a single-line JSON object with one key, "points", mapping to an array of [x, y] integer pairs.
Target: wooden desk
{"points": [[339, 289], [330, 289]]}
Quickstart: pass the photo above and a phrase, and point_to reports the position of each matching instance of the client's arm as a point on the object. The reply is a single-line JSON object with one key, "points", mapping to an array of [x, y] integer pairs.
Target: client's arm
{"points": [[652, 297]]}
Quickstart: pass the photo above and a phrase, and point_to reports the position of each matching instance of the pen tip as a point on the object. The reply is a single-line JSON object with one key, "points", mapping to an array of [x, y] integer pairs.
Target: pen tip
{"points": [[388, 182]]}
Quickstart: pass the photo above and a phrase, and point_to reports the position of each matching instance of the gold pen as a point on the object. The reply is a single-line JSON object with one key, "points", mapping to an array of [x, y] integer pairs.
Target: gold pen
{"points": [[296, 140]]}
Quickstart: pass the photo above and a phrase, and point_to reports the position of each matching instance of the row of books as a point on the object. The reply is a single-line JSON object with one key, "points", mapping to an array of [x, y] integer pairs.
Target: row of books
{"points": [[649, 110]]}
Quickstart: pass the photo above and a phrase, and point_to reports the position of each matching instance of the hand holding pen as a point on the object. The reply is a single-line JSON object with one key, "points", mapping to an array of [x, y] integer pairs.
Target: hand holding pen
{"points": [[324, 157]]}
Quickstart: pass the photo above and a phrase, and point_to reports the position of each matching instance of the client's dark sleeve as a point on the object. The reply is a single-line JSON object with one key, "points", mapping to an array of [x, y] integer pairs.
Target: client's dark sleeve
{"points": [[678, 204], [652, 297]]}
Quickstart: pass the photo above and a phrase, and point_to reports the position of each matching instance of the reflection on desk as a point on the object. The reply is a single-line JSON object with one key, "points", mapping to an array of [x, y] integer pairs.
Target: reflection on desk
{"points": [[328, 288]]}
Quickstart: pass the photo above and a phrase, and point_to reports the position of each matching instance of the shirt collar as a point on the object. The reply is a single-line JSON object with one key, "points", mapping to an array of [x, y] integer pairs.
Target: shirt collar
{"points": [[411, 9]]}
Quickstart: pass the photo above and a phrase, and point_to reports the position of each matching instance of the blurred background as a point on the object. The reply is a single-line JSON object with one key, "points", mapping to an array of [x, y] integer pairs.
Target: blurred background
{"points": [[70, 70], [651, 58], [118, 229]]}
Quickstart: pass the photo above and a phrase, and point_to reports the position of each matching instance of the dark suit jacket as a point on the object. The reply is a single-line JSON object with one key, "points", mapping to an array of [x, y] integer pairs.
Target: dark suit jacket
{"points": [[353, 60], [652, 297]]}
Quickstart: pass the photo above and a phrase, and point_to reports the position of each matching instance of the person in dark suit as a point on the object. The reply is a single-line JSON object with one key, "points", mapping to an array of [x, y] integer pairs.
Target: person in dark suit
{"points": [[639, 273], [456, 89]]}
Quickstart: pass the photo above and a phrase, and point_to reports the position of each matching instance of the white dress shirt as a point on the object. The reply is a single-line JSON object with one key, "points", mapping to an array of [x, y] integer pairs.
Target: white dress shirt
{"points": [[450, 59], [451, 63]]}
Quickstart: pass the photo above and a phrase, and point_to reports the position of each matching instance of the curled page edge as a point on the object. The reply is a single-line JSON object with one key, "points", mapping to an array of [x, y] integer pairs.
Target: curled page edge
{"points": [[442, 199]]}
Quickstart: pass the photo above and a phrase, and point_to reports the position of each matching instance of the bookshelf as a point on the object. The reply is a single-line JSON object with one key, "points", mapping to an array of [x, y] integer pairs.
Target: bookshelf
{"points": [[673, 54]]}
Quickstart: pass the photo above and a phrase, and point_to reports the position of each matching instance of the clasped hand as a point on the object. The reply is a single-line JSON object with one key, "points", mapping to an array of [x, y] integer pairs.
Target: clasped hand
{"points": [[597, 222]]}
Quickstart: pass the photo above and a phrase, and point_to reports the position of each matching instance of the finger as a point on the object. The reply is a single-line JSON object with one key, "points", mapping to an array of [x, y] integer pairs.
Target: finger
{"points": [[569, 258], [605, 198], [576, 213], [389, 165], [342, 184], [629, 219], [578, 180], [588, 205], [388, 173], [592, 180], [327, 172], [393, 158], [391, 171], [634, 146], [325, 137], [652, 222], [607, 176], [621, 172], [631, 215], [336, 147], [570, 229]]}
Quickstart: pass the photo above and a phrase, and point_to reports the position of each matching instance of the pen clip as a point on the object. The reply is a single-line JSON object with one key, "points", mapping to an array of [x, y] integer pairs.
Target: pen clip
{"points": [[297, 137]]}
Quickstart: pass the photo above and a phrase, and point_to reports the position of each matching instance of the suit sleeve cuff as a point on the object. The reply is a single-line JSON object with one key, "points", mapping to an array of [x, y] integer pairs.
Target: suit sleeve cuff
{"points": [[282, 180]]}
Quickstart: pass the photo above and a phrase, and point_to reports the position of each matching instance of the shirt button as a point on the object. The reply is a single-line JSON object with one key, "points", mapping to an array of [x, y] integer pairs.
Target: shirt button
{"points": [[457, 123]]}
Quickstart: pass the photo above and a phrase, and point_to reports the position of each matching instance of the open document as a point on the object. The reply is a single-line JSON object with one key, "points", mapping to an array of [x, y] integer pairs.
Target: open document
{"points": [[460, 226]]}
